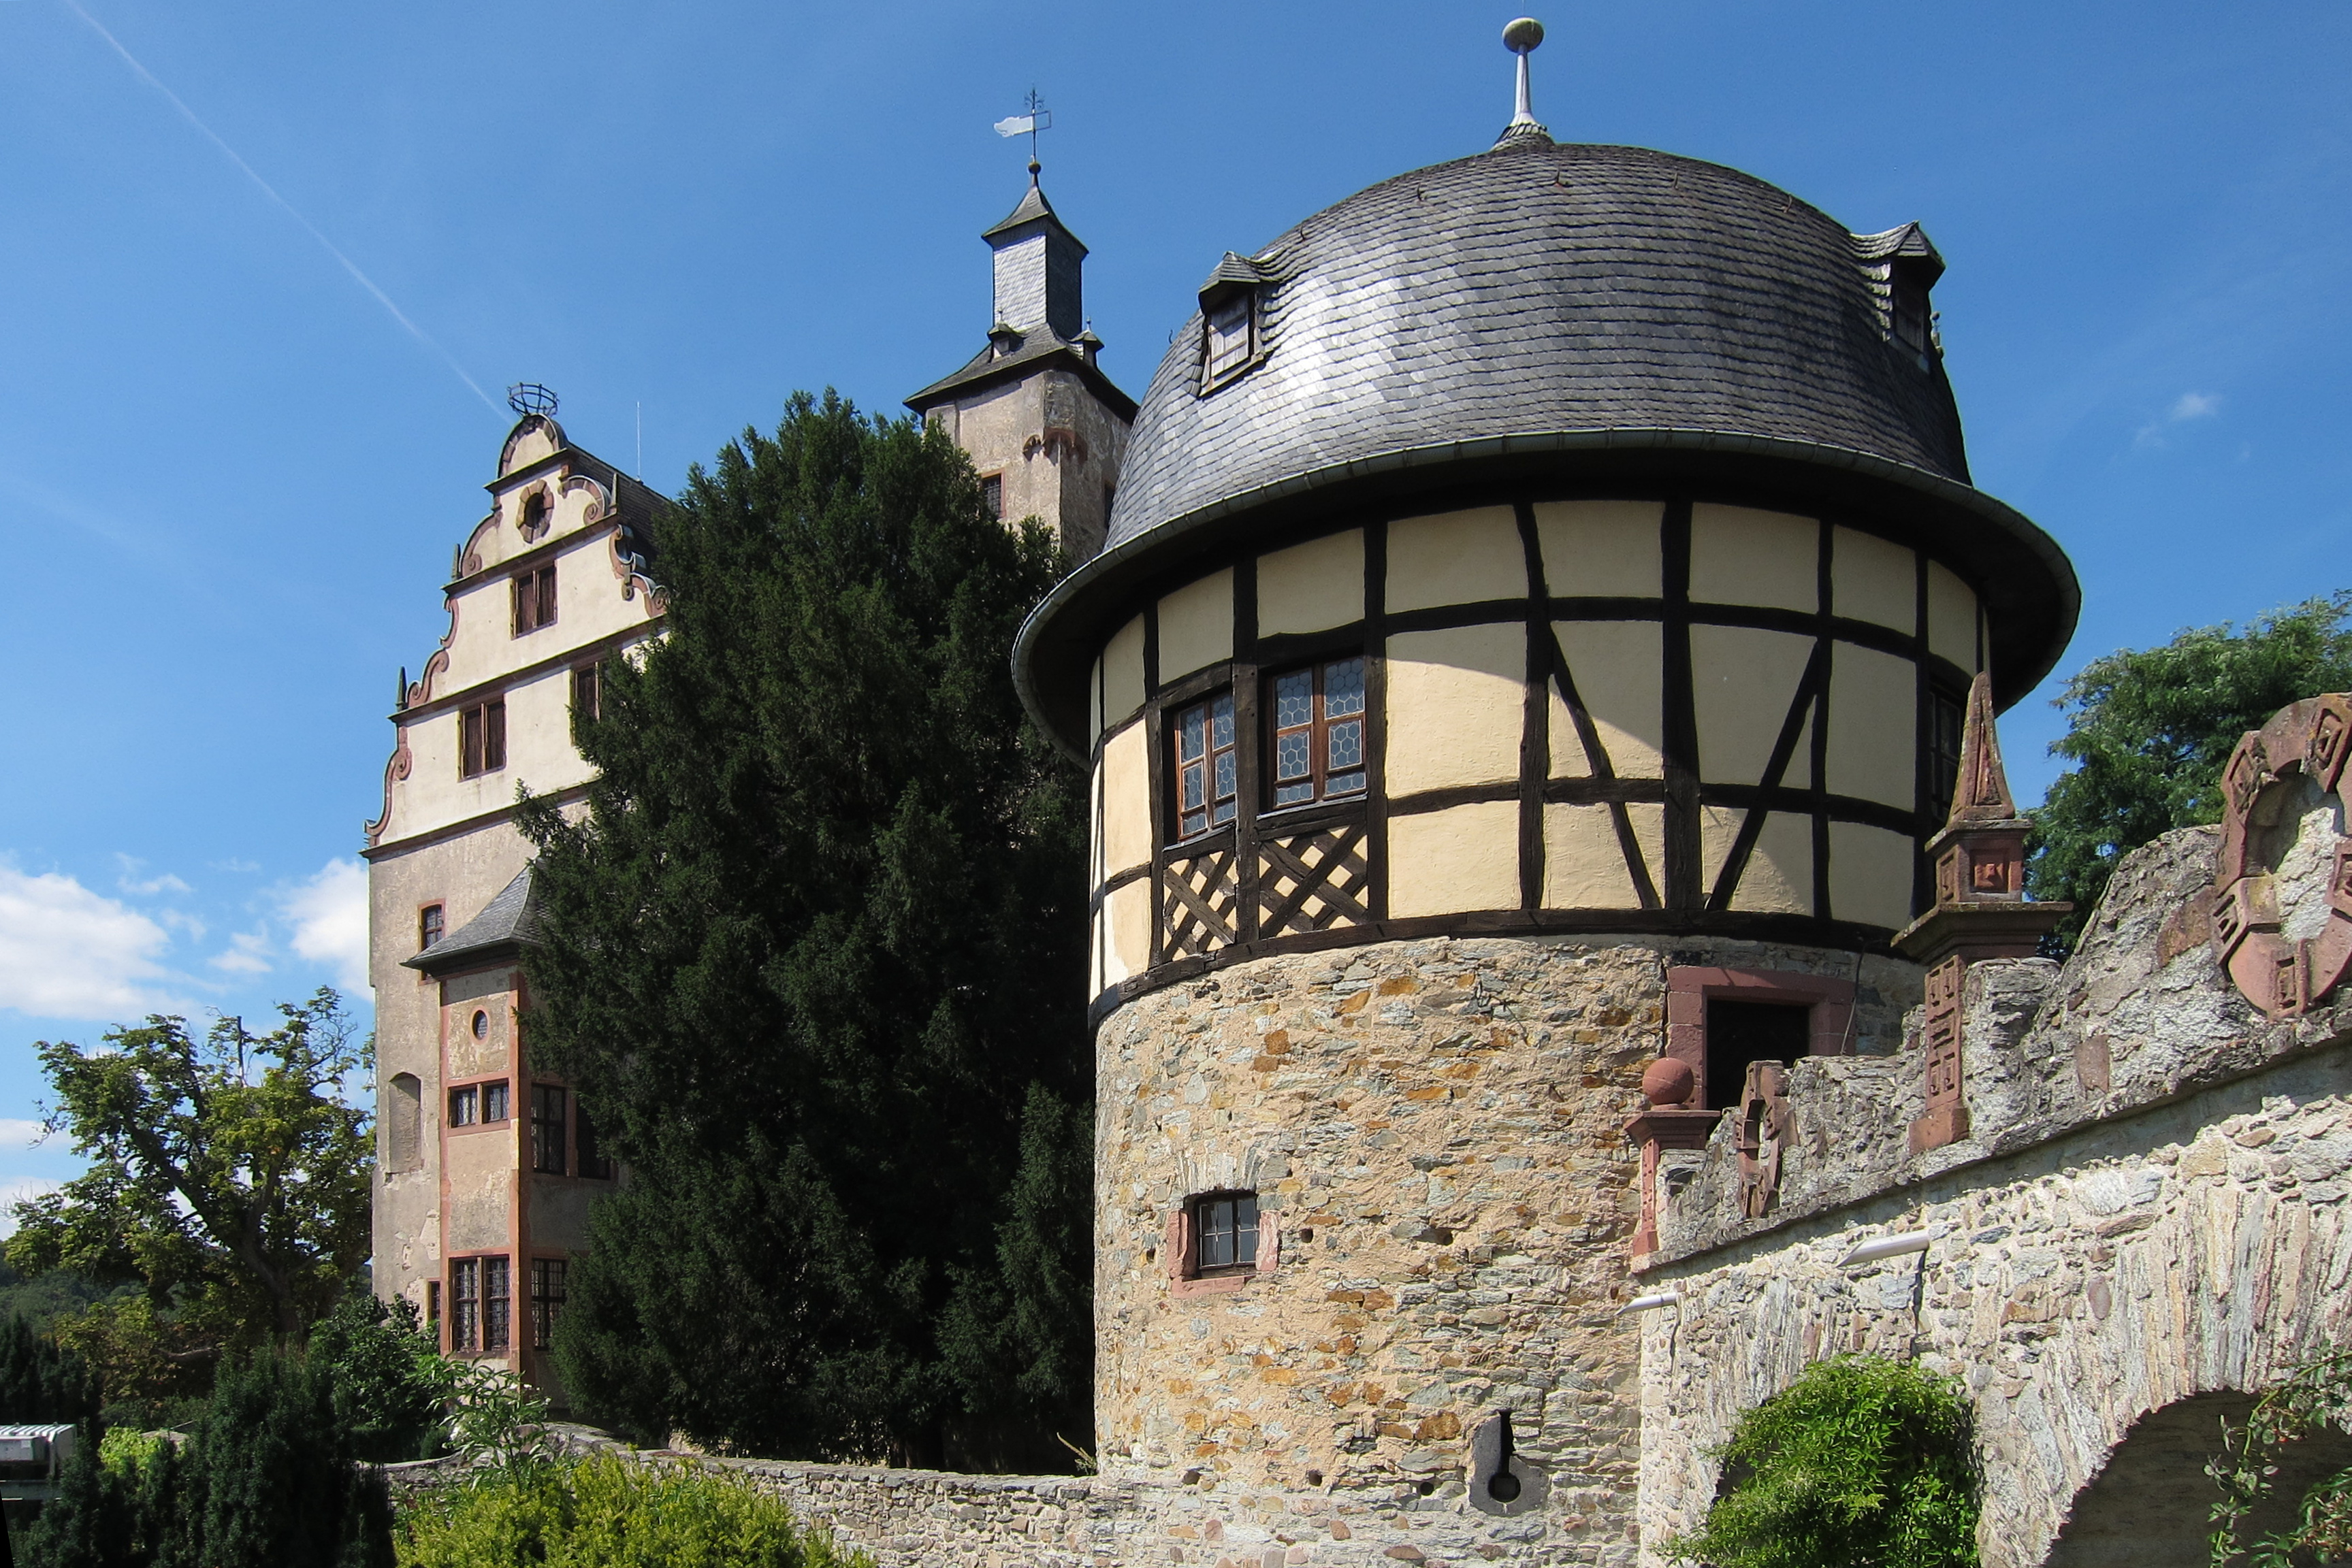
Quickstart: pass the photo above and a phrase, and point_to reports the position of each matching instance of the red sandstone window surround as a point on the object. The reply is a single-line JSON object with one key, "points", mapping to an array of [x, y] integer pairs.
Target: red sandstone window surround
{"points": [[481, 1304], [546, 1297], [478, 1104], [1826, 1000], [1218, 1241]]}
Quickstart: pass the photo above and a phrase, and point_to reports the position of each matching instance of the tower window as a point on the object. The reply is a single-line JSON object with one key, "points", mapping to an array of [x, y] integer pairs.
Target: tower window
{"points": [[547, 1295], [466, 1303], [992, 495], [547, 1107], [1208, 774], [1739, 1032], [482, 737], [430, 922], [534, 599], [1229, 334], [498, 1304], [1316, 721], [588, 691], [1946, 715], [1224, 1233]]}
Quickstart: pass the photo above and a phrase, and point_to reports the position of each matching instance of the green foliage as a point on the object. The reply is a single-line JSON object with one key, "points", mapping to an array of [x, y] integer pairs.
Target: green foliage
{"points": [[2148, 731], [1860, 1463], [390, 1383], [41, 1380], [268, 1478], [152, 1367], [2313, 1399], [501, 1427], [226, 1177], [42, 1299], [607, 1512], [815, 956], [94, 1521]]}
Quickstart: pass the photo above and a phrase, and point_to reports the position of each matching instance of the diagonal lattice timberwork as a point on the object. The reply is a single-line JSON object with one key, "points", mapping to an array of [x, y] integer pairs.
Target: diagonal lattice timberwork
{"points": [[1313, 881], [1200, 904]]}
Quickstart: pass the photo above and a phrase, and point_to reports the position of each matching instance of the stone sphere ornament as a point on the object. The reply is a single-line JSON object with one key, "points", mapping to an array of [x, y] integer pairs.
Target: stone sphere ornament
{"points": [[1522, 35], [1668, 1081]]}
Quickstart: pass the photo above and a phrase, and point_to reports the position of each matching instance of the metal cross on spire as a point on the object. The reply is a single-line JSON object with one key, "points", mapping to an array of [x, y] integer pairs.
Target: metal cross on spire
{"points": [[1035, 116]]}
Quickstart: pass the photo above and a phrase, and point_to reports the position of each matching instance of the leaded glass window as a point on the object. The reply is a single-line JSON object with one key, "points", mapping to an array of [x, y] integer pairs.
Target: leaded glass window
{"points": [[1207, 773], [1225, 1232], [1317, 716]]}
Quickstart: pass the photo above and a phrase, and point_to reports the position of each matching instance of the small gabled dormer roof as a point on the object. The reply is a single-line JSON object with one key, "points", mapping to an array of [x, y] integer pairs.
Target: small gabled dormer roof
{"points": [[1908, 243], [507, 924]]}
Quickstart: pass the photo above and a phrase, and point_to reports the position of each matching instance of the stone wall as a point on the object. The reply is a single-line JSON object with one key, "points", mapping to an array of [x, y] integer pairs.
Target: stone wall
{"points": [[2149, 1209], [931, 1519], [1435, 1132]]}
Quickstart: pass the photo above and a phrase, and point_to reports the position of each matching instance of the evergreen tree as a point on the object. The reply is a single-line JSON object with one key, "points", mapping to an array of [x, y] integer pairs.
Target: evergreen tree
{"points": [[390, 1384], [268, 1478], [2149, 729], [92, 1521], [39, 1382], [814, 955]]}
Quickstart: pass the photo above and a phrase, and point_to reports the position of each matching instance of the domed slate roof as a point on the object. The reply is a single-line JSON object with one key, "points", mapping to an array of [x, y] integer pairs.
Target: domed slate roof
{"points": [[1544, 288]]}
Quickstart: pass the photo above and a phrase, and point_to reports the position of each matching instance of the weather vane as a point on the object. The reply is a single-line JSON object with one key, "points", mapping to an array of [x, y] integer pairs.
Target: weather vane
{"points": [[1035, 117]]}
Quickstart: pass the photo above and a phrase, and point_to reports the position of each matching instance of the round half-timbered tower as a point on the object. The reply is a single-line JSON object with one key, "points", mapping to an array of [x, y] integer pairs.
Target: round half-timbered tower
{"points": [[1532, 639]]}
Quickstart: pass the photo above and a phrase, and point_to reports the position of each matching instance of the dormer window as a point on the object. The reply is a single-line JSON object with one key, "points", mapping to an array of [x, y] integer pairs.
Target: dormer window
{"points": [[1909, 309], [1230, 325]]}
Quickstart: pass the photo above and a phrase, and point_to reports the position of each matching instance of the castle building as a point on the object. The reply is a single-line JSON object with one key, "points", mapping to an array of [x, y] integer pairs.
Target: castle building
{"points": [[1535, 626], [487, 1162]]}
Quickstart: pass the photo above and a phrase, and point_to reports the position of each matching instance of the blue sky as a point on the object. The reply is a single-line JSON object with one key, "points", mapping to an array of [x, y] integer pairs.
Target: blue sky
{"points": [[238, 440]]}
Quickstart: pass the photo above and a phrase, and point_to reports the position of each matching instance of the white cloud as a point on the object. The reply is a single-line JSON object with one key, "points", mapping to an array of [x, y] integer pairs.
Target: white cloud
{"points": [[131, 882], [329, 917], [17, 1133], [248, 953], [15, 1190], [2196, 405], [67, 952]]}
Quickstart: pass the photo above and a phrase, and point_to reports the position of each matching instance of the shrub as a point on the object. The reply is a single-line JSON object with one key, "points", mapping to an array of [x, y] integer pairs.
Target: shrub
{"points": [[267, 1479], [607, 1512], [1861, 1463], [390, 1384]]}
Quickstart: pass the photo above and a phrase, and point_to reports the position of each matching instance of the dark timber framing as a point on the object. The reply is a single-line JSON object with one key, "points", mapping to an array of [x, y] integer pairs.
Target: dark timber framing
{"points": [[1263, 847]]}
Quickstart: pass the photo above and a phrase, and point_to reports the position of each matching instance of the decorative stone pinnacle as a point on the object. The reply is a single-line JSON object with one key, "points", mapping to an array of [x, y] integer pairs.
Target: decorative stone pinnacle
{"points": [[1520, 37], [1981, 793]]}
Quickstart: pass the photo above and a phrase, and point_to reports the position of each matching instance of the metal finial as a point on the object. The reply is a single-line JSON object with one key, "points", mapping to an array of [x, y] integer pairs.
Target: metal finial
{"points": [[1520, 37], [528, 398], [1034, 118]]}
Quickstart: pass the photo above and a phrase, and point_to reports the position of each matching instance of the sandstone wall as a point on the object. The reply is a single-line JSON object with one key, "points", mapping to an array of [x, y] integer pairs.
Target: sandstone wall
{"points": [[2150, 1208], [1435, 1130]]}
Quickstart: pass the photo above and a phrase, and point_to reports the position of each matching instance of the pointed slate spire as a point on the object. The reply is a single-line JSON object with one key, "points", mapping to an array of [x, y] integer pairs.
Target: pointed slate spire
{"points": [[1981, 793]]}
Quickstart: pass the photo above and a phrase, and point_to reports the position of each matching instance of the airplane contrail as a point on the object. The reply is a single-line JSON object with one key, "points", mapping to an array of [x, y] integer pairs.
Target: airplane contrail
{"points": [[361, 279]]}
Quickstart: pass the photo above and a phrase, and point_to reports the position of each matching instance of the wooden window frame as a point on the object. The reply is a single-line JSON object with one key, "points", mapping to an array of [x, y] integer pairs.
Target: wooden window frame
{"points": [[465, 1305], [588, 691], [480, 1094], [548, 1134], [549, 1292], [1318, 735], [497, 1303], [1217, 368], [1206, 703], [482, 737], [432, 924], [1182, 1248], [534, 599]]}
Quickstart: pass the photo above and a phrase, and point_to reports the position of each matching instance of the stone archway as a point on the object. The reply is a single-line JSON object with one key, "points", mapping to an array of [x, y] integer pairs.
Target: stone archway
{"points": [[2149, 1505]]}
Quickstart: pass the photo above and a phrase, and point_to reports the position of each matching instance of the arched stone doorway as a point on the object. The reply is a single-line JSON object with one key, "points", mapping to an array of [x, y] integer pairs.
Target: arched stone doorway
{"points": [[2149, 1505]]}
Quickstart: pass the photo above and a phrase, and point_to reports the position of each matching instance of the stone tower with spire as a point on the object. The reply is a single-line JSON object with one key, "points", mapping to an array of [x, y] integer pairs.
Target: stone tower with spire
{"points": [[1044, 427]]}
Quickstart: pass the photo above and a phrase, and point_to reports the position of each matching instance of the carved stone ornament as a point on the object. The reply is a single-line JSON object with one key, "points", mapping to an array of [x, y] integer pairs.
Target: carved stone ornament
{"points": [[2276, 773], [1764, 1126]]}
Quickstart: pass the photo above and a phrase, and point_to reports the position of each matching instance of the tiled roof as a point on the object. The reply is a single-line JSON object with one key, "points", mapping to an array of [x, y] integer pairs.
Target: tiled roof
{"points": [[510, 920], [1542, 288], [1037, 346]]}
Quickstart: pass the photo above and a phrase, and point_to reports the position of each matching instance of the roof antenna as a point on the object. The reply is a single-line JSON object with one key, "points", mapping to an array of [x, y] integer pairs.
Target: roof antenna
{"points": [[1521, 38], [1035, 117]]}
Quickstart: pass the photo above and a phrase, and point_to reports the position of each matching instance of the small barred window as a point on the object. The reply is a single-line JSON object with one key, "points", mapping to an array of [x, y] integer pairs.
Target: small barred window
{"points": [[1224, 1232]]}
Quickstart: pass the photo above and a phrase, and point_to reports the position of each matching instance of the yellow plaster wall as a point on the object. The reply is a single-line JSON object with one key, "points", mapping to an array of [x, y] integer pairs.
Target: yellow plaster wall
{"points": [[1742, 681], [1870, 875], [1460, 859], [1312, 587], [462, 996], [1123, 672], [1584, 863], [1871, 580], [1196, 626], [1952, 617], [1456, 706], [1127, 915], [1600, 548], [1568, 757], [481, 1166], [1742, 556], [1780, 875], [1127, 801], [1456, 558], [1873, 739], [1615, 665]]}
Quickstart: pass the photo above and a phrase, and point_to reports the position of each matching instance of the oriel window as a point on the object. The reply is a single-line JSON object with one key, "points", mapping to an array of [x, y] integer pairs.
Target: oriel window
{"points": [[1228, 332], [1208, 775], [482, 737], [1316, 719], [547, 1106], [1225, 1232], [534, 599], [547, 1286]]}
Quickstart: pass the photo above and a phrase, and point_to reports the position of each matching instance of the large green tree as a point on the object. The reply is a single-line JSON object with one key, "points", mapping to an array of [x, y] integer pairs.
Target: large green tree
{"points": [[2149, 729], [815, 956], [227, 1176]]}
